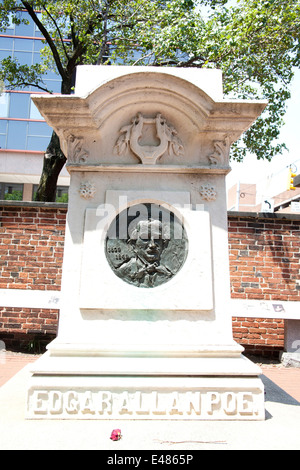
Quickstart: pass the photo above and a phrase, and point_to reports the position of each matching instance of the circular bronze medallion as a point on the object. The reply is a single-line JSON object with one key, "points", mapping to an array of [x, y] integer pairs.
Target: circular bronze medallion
{"points": [[146, 245]]}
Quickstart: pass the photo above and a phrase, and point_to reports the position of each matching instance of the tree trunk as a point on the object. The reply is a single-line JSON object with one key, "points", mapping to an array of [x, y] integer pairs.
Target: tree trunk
{"points": [[54, 160]]}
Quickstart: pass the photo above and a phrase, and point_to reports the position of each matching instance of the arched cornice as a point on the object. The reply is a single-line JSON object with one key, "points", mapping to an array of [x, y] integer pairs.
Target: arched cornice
{"points": [[116, 102]]}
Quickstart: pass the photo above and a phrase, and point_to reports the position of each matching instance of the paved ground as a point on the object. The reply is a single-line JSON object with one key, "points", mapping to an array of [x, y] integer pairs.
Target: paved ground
{"points": [[11, 363], [279, 431], [286, 378]]}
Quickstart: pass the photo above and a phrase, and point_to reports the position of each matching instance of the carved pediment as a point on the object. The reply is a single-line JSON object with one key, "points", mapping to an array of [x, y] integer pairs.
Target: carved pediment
{"points": [[141, 106]]}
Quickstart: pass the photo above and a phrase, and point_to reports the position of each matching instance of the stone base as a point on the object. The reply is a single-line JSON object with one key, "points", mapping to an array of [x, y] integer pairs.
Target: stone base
{"points": [[140, 388], [290, 359], [160, 398]]}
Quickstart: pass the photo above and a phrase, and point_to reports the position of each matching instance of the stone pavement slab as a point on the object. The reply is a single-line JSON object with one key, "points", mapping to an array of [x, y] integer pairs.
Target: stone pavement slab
{"points": [[280, 430], [13, 362], [286, 378]]}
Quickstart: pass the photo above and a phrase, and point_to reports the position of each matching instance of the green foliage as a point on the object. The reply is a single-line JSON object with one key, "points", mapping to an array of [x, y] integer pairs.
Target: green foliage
{"points": [[64, 198], [254, 42], [16, 75], [14, 196]]}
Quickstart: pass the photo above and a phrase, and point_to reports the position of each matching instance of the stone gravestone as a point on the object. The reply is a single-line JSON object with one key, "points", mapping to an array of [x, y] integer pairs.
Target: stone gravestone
{"points": [[144, 329]]}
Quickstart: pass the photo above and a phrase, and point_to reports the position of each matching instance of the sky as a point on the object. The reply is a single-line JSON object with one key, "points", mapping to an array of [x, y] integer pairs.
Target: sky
{"points": [[253, 170]]}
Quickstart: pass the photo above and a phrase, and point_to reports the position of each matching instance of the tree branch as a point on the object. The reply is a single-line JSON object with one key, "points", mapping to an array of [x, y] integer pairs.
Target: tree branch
{"points": [[47, 37], [72, 60], [105, 33], [142, 58], [26, 84], [191, 61], [73, 34], [58, 30]]}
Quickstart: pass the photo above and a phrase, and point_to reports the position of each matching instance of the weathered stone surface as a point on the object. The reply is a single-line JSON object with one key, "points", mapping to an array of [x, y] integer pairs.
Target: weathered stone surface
{"points": [[145, 324]]}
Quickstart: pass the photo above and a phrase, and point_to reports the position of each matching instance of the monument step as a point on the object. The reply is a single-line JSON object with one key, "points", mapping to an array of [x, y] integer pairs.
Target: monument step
{"points": [[58, 348], [142, 366]]}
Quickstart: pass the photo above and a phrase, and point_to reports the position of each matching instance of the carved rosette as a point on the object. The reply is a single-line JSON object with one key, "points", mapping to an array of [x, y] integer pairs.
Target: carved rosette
{"points": [[87, 190], [132, 135], [208, 192]]}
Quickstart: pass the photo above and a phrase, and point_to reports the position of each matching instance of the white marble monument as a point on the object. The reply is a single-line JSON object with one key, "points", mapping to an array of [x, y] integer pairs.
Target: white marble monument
{"points": [[145, 330]]}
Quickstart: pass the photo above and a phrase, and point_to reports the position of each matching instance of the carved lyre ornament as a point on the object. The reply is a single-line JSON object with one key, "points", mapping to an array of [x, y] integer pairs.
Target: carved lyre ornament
{"points": [[221, 152], [75, 151], [163, 139]]}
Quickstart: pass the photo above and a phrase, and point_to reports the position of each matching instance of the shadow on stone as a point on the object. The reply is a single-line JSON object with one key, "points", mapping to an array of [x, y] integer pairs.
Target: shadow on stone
{"points": [[276, 394]]}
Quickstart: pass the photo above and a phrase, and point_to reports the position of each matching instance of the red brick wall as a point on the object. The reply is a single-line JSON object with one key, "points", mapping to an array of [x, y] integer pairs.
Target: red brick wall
{"points": [[31, 247], [264, 258], [264, 265], [259, 336], [31, 253], [27, 329]]}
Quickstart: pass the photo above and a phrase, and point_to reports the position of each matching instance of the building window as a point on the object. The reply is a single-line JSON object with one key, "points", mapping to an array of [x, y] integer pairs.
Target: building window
{"points": [[4, 105], [16, 138], [28, 28], [3, 133], [19, 129], [38, 136], [37, 143], [6, 43], [11, 192], [34, 112], [19, 105], [24, 135]]}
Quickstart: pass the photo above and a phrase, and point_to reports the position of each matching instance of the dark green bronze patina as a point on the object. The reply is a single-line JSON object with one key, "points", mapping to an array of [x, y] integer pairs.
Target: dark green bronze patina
{"points": [[146, 245]]}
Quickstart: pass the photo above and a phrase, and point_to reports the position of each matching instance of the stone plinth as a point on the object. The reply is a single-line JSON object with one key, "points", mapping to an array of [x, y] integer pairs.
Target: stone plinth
{"points": [[145, 326]]}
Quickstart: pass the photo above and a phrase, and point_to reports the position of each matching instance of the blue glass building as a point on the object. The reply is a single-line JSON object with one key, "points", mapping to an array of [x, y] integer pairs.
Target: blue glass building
{"points": [[24, 135]]}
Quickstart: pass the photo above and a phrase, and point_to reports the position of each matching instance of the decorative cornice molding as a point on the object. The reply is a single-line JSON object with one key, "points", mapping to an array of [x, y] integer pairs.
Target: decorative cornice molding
{"points": [[75, 150], [138, 168], [221, 151]]}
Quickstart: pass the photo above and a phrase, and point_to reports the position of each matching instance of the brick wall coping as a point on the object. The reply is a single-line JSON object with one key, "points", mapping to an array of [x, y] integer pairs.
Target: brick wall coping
{"points": [[288, 310], [264, 215], [249, 308], [27, 298], [47, 205], [248, 215]]}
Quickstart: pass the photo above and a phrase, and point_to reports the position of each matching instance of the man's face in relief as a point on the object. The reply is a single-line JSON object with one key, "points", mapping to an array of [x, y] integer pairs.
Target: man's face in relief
{"points": [[149, 242]]}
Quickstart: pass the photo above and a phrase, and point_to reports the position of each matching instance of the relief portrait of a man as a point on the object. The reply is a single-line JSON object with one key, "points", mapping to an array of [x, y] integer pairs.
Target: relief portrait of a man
{"points": [[144, 269], [150, 255]]}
